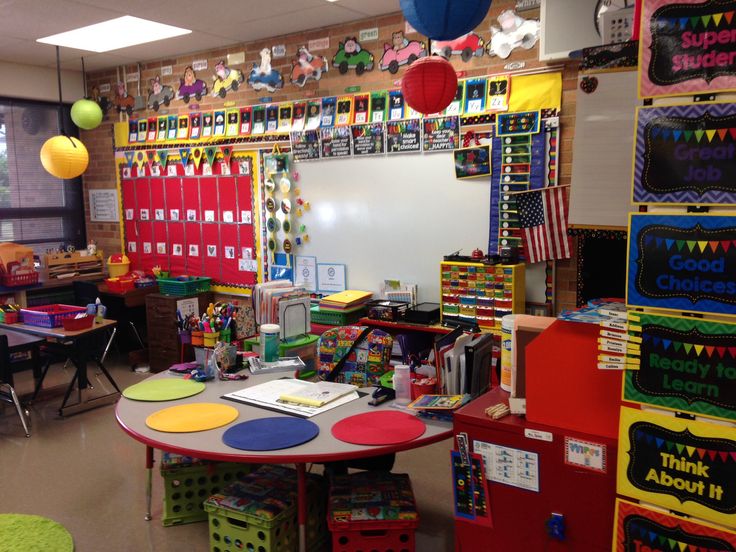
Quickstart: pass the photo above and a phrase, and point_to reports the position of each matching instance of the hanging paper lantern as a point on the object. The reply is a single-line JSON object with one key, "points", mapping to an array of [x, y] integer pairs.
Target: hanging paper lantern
{"points": [[86, 114], [429, 85], [64, 157], [445, 19]]}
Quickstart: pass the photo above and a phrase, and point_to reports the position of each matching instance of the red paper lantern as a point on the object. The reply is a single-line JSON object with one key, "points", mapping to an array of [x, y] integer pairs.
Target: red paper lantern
{"points": [[429, 85]]}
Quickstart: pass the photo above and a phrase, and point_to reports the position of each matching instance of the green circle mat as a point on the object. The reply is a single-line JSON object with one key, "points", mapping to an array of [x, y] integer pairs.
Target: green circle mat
{"points": [[166, 389], [25, 533]]}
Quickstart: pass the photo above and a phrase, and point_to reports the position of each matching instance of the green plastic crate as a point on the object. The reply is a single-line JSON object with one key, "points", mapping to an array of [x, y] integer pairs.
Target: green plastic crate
{"points": [[172, 286], [331, 318], [188, 483], [259, 513]]}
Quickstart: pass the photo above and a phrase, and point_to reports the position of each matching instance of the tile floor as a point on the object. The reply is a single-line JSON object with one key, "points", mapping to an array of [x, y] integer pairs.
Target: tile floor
{"points": [[85, 473]]}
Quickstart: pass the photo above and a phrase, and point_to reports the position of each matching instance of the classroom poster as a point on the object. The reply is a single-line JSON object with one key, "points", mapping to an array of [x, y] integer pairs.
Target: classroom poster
{"points": [[404, 136], [682, 262], [679, 464], [638, 528], [305, 145], [687, 47], [336, 142], [686, 154], [440, 134], [686, 364], [368, 139]]}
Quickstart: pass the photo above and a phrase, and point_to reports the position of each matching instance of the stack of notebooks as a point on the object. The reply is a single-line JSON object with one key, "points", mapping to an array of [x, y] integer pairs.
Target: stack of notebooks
{"points": [[347, 300], [438, 407]]}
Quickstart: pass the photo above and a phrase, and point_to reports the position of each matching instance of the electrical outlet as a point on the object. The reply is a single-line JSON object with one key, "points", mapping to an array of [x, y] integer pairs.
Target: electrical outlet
{"points": [[556, 526]]}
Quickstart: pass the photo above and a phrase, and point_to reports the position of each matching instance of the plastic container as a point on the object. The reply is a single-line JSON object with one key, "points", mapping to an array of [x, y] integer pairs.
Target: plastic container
{"points": [[507, 353], [402, 383], [211, 338], [15, 280], [419, 389], [330, 318], [116, 270], [197, 337], [225, 335], [76, 324], [190, 286], [269, 342], [120, 285], [49, 316], [185, 337]]}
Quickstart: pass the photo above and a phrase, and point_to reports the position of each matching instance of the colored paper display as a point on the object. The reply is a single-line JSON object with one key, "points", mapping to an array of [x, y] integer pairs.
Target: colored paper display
{"points": [[687, 47], [682, 262], [686, 364], [639, 528], [679, 464], [686, 154]]}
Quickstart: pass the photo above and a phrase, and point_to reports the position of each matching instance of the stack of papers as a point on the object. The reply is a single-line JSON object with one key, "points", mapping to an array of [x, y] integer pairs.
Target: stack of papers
{"points": [[318, 393], [348, 299]]}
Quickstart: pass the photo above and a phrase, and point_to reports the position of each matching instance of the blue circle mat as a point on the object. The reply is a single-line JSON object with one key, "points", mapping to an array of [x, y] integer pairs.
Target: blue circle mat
{"points": [[273, 433]]}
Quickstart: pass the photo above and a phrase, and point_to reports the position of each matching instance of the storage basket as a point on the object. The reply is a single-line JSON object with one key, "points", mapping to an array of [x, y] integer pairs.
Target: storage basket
{"points": [[372, 511], [332, 318], [390, 311], [172, 286], [189, 481], [16, 280], [8, 317], [120, 285], [115, 269], [76, 324], [259, 513], [49, 316]]}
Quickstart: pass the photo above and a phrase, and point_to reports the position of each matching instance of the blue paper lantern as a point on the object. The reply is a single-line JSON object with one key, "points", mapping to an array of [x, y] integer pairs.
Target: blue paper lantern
{"points": [[445, 19]]}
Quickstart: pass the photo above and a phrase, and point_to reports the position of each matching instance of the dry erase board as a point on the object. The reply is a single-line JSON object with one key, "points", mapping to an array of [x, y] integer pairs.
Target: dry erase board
{"points": [[393, 217]]}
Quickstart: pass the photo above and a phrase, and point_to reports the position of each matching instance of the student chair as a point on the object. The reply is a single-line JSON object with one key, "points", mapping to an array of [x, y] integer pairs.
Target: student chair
{"points": [[7, 392]]}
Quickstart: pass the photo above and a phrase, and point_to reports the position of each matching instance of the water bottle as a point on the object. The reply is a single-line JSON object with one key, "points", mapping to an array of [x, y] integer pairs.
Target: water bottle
{"points": [[402, 383]]}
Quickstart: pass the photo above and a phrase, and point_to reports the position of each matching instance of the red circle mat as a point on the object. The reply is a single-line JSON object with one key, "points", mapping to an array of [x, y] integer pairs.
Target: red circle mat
{"points": [[378, 428]]}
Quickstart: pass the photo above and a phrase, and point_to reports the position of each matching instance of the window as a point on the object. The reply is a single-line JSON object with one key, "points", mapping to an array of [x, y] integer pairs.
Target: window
{"points": [[36, 209]]}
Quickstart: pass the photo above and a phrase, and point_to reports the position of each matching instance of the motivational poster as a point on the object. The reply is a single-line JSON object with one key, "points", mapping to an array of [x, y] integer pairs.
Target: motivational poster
{"points": [[686, 364], [682, 262], [404, 136], [305, 145], [679, 464], [641, 529], [440, 134], [336, 142], [686, 154], [368, 139], [687, 47]]}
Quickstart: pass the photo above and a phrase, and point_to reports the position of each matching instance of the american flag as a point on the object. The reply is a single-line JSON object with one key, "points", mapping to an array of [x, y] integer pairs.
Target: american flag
{"points": [[543, 219]]}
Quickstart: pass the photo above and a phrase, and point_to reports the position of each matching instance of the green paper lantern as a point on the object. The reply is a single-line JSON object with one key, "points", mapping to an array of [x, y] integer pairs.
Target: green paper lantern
{"points": [[64, 157], [86, 114]]}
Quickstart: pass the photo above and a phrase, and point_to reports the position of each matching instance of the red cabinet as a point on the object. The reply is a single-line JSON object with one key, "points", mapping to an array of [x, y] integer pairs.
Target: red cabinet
{"points": [[583, 496]]}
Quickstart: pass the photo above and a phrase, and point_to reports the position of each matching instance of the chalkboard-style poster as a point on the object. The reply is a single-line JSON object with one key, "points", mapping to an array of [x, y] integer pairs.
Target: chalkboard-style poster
{"points": [[686, 364], [440, 133], [682, 262], [679, 464], [336, 142], [686, 154], [305, 145], [639, 528], [687, 47], [369, 139], [404, 136]]}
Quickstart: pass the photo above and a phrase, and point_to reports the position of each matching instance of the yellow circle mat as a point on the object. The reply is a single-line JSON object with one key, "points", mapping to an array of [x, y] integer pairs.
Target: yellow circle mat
{"points": [[186, 418]]}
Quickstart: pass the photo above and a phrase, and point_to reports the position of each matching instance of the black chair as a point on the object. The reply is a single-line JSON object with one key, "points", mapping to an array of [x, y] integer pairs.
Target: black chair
{"points": [[6, 381]]}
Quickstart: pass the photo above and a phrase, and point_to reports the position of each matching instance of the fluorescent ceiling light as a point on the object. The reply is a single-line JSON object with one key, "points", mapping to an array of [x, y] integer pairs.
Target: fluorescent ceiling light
{"points": [[114, 34]]}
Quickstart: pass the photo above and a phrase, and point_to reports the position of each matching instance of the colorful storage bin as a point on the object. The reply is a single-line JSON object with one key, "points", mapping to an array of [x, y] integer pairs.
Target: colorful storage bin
{"points": [[49, 316], [259, 513], [184, 286], [189, 481], [372, 511]]}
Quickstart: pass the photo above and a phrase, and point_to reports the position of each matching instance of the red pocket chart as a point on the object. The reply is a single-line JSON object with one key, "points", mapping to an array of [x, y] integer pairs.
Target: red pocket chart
{"points": [[193, 249], [229, 254], [158, 203], [190, 186], [245, 199], [161, 245], [213, 254], [174, 205], [208, 196], [127, 187], [146, 247], [132, 244], [177, 251], [228, 206], [143, 199]]}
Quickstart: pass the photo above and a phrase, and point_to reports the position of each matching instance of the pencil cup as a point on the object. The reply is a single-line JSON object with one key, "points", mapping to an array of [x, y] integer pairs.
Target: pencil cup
{"points": [[185, 337], [225, 335], [197, 337], [211, 338], [417, 389]]}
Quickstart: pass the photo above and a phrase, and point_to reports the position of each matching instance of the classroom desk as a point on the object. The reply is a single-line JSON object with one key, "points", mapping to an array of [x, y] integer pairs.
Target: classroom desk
{"points": [[19, 342], [77, 345], [131, 416], [20, 293], [135, 297]]}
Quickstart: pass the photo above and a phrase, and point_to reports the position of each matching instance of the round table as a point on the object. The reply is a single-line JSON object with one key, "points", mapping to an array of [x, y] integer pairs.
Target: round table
{"points": [[131, 416]]}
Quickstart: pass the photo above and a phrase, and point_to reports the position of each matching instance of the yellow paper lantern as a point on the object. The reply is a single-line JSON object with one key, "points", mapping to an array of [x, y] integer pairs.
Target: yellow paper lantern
{"points": [[64, 157]]}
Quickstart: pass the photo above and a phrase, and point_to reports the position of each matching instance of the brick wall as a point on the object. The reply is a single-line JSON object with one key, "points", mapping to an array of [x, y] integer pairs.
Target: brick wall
{"points": [[100, 145]]}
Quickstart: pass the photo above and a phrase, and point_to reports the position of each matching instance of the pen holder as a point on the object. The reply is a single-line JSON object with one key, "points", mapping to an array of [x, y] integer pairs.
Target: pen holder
{"points": [[211, 338], [225, 335], [197, 338], [185, 337], [417, 389]]}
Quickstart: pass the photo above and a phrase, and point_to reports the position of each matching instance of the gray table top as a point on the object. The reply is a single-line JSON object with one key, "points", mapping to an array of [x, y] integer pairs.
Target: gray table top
{"points": [[19, 339], [131, 415]]}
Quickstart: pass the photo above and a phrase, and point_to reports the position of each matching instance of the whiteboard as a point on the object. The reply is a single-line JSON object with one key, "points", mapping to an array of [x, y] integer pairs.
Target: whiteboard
{"points": [[392, 217]]}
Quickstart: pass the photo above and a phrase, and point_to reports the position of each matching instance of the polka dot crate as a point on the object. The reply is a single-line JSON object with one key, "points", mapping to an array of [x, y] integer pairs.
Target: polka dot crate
{"points": [[188, 482], [259, 513], [372, 511]]}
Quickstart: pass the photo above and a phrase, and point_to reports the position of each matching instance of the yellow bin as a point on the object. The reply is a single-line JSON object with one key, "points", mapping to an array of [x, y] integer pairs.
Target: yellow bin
{"points": [[211, 338], [118, 269]]}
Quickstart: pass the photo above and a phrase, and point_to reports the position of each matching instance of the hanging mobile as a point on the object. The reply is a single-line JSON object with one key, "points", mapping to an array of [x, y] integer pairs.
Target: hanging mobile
{"points": [[284, 185], [270, 205], [286, 225], [286, 206], [273, 224], [270, 186]]}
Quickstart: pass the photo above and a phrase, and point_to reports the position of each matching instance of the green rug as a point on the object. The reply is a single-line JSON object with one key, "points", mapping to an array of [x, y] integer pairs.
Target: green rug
{"points": [[166, 389], [24, 533]]}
